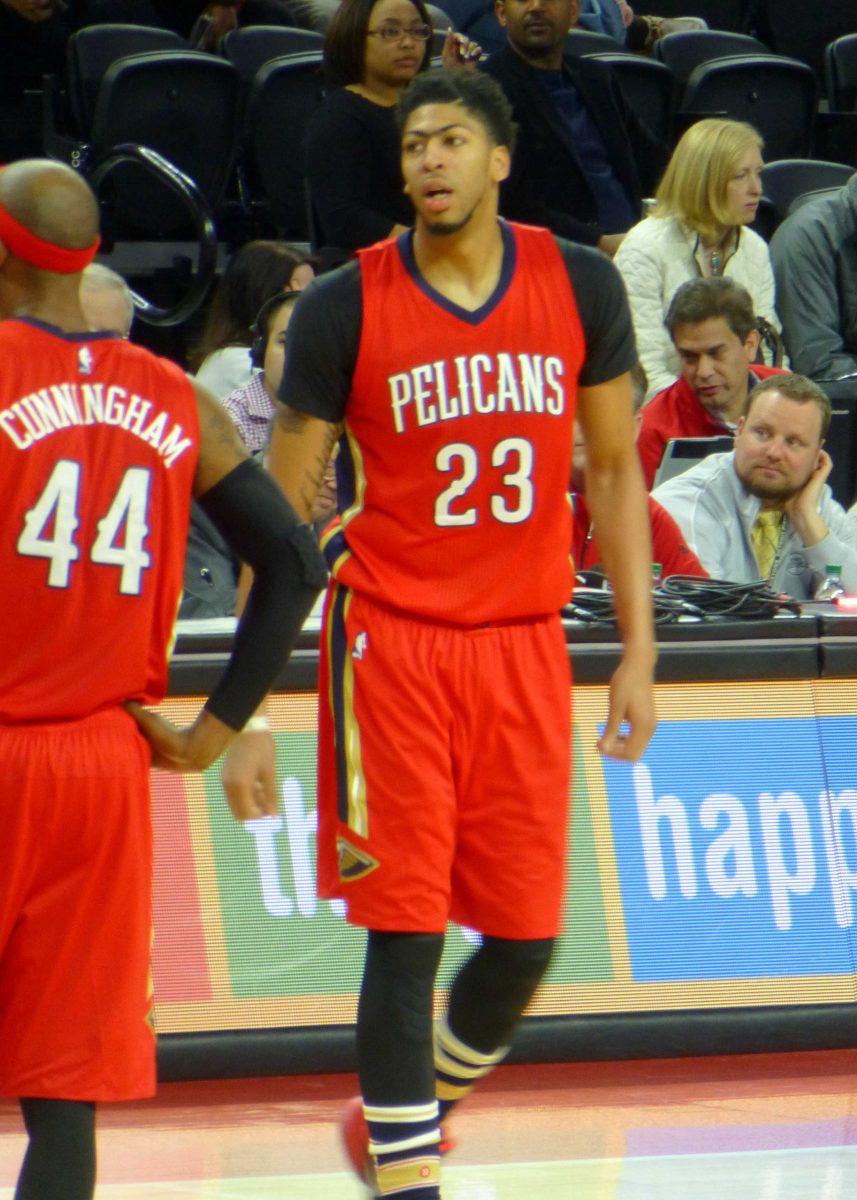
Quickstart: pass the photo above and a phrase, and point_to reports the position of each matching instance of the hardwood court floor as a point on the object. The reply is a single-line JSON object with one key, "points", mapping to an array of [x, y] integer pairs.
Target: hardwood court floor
{"points": [[753, 1127]]}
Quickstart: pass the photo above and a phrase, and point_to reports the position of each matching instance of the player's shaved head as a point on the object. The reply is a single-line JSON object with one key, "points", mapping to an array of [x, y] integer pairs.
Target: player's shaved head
{"points": [[50, 200]]}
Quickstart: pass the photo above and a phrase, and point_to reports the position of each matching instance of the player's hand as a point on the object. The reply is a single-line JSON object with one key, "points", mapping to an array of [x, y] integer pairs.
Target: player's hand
{"points": [[459, 51], [192, 748], [248, 775], [632, 702]]}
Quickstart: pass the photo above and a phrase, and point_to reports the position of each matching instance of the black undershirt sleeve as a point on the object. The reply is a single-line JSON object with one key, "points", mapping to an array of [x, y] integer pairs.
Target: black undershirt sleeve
{"points": [[322, 341], [262, 528], [604, 313]]}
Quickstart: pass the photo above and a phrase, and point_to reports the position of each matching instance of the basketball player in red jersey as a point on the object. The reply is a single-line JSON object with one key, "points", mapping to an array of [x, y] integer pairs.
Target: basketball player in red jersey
{"points": [[101, 446], [448, 363]]}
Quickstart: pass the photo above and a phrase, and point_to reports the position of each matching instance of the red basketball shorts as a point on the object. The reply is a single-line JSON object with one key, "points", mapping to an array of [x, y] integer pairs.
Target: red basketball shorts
{"points": [[443, 779], [75, 910]]}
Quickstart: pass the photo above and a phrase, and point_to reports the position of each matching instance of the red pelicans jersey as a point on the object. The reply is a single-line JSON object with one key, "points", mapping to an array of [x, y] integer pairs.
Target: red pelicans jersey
{"points": [[98, 449], [457, 447]]}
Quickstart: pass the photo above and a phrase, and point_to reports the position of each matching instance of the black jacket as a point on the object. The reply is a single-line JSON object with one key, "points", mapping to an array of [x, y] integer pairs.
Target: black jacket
{"points": [[547, 185]]}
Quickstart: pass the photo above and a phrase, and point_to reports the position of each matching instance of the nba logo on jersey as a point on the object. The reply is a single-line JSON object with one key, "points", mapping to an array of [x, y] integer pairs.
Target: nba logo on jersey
{"points": [[84, 361], [361, 645]]}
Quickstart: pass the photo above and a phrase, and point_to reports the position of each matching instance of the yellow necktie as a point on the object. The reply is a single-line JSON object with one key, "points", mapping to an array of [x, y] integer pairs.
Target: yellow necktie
{"points": [[765, 537]]}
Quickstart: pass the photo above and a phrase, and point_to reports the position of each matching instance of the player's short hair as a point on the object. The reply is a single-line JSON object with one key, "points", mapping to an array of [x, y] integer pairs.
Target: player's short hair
{"points": [[476, 92], [793, 387], [345, 41], [701, 300]]}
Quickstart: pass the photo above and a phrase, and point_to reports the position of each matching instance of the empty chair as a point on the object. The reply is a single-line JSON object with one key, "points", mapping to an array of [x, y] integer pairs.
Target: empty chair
{"points": [[783, 181], [249, 48], [649, 88], [682, 52], [840, 73], [182, 104], [586, 41], [775, 95], [284, 95], [92, 50]]}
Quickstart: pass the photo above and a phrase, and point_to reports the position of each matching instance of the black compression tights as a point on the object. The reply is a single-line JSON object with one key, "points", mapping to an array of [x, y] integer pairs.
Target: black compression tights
{"points": [[394, 1018], [493, 988], [60, 1159]]}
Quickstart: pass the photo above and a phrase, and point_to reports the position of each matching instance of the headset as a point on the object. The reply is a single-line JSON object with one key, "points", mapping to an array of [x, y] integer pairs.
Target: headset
{"points": [[259, 328]]}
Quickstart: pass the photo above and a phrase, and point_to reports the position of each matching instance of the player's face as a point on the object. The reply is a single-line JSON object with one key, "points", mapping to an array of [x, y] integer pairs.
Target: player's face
{"points": [[536, 27], [392, 62], [715, 364], [777, 446], [275, 349], [451, 167], [744, 189]]}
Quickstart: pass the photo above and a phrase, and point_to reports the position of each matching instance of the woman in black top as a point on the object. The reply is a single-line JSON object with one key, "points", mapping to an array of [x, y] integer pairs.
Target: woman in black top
{"points": [[372, 50]]}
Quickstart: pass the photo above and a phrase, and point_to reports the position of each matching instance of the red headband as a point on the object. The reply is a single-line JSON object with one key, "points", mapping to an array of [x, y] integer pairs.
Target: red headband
{"points": [[30, 248]]}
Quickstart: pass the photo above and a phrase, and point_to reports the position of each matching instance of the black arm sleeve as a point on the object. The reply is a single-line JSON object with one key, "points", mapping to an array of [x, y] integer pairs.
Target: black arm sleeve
{"points": [[604, 313], [262, 528]]}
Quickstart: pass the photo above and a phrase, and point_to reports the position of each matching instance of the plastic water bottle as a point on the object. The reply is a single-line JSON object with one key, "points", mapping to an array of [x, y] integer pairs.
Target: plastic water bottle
{"points": [[657, 575], [831, 586]]}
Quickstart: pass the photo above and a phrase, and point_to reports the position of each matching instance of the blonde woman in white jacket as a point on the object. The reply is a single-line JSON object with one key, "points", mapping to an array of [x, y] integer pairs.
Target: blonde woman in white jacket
{"points": [[709, 193]]}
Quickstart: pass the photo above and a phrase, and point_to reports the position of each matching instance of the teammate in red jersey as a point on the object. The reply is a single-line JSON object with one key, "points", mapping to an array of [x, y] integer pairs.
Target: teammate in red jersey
{"points": [[448, 363], [101, 446]]}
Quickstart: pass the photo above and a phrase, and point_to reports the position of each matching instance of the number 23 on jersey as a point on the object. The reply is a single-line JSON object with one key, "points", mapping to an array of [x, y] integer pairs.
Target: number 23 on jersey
{"points": [[515, 454]]}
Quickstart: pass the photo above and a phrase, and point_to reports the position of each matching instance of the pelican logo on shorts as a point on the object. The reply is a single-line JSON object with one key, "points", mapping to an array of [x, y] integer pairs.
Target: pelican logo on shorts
{"points": [[84, 361], [361, 645], [353, 863]]}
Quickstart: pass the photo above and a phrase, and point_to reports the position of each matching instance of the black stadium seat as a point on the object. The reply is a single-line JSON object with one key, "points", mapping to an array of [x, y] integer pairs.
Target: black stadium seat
{"points": [[785, 180], [649, 88], [250, 47], [840, 73], [92, 50], [586, 41], [684, 51], [284, 95], [777, 96], [184, 105]]}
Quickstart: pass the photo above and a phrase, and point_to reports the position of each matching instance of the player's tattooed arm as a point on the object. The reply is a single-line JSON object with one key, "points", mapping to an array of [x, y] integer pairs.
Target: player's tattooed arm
{"points": [[298, 456], [220, 447]]}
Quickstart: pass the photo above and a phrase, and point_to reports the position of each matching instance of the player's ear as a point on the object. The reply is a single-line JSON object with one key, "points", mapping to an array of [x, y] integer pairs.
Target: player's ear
{"points": [[500, 12], [501, 163]]}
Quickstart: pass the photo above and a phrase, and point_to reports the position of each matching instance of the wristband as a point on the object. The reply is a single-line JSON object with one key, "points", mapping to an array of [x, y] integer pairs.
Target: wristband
{"points": [[257, 724]]}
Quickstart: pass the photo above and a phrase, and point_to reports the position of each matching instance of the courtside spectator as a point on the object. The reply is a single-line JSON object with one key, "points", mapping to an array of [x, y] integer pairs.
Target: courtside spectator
{"points": [[255, 272], [713, 328], [709, 194]]}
